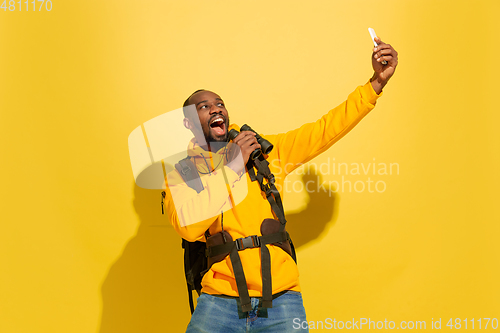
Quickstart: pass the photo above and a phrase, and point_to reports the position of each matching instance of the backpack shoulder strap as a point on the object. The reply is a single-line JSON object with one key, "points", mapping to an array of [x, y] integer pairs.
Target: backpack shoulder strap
{"points": [[194, 257], [272, 193], [189, 173]]}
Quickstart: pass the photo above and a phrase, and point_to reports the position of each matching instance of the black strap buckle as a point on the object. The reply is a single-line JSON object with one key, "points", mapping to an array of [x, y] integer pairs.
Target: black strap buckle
{"points": [[247, 242], [185, 170], [267, 189]]}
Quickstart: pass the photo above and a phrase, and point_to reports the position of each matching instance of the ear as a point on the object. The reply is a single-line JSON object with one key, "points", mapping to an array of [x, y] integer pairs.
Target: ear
{"points": [[187, 123]]}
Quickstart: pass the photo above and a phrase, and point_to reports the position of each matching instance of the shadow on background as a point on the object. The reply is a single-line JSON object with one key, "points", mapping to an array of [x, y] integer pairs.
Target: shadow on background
{"points": [[322, 207], [145, 289]]}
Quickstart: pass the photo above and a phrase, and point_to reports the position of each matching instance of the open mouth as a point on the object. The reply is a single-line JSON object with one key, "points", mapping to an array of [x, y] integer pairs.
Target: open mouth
{"points": [[218, 125]]}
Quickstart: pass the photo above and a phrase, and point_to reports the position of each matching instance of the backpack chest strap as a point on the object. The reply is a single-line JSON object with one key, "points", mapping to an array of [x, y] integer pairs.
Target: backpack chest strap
{"points": [[232, 248], [247, 243]]}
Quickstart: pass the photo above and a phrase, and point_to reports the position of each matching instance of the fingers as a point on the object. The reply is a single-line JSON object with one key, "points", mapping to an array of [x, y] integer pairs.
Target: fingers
{"points": [[381, 47], [381, 44], [385, 58], [384, 52], [246, 139], [244, 136], [247, 142]]}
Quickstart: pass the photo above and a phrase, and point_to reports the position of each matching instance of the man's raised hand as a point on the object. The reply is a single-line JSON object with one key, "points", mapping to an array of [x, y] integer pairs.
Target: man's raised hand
{"points": [[383, 72]]}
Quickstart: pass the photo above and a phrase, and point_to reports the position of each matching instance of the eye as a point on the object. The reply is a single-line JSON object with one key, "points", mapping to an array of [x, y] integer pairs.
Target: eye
{"points": [[221, 104]]}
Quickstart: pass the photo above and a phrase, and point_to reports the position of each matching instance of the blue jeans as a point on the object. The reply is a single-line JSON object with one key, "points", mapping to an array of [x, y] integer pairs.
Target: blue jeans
{"points": [[215, 314]]}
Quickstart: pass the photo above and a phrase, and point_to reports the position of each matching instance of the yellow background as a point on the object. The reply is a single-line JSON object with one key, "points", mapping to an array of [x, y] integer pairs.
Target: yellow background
{"points": [[84, 250]]}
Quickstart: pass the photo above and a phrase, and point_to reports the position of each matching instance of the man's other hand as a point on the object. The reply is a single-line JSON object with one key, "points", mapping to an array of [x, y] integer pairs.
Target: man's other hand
{"points": [[247, 143]]}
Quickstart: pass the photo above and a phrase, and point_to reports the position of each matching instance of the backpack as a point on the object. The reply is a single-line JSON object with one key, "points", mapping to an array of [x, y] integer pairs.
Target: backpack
{"points": [[196, 253]]}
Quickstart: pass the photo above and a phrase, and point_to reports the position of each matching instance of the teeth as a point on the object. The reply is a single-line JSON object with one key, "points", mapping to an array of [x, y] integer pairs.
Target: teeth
{"points": [[216, 120]]}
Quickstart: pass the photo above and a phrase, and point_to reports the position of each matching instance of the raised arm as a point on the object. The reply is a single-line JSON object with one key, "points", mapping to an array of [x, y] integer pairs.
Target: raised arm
{"points": [[301, 145]]}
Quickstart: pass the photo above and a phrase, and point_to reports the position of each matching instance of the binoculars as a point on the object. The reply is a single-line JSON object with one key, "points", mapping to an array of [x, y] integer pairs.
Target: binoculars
{"points": [[265, 145]]}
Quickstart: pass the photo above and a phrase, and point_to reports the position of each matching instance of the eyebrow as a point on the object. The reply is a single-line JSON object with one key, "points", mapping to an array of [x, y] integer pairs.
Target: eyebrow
{"points": [[205, 101]]}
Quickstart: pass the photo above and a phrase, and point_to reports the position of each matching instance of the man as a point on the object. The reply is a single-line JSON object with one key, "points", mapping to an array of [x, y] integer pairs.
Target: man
{"points": [[231, 202]]}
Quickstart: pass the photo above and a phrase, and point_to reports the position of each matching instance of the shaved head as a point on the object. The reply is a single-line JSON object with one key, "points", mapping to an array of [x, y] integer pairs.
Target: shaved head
{"points": [[212, 115]]}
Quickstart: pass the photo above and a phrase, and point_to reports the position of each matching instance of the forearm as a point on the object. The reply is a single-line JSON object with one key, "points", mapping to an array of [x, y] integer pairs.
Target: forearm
{"points": [[301, 145], [192, 213], [377, 83]]}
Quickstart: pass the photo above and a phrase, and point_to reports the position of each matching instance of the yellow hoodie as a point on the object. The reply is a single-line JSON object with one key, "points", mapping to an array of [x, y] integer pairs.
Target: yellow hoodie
{"points": [[243, 204]]}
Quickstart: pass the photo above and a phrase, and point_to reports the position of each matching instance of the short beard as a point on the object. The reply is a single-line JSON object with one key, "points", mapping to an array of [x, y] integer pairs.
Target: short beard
{"points": [[220, 141], [211, 139]]}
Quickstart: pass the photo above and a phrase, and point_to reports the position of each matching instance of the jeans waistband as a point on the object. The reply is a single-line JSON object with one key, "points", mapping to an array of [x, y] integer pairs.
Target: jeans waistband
{"points": [[236, 297]]}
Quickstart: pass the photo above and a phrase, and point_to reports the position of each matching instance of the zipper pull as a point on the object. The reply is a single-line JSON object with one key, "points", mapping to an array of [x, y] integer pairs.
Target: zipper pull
{"points": [[162, 202], [222, 226]]}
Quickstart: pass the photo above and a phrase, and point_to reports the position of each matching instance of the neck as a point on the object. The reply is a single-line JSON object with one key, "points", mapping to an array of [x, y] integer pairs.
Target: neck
{"points": [[214, 146]]}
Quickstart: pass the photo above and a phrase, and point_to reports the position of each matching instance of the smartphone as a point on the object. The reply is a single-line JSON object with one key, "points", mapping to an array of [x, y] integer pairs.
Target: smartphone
{"points": [[373, 35]]}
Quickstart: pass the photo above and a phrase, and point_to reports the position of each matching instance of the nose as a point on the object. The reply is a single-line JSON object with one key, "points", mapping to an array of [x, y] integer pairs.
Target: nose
{"points": [[214, 108]]}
